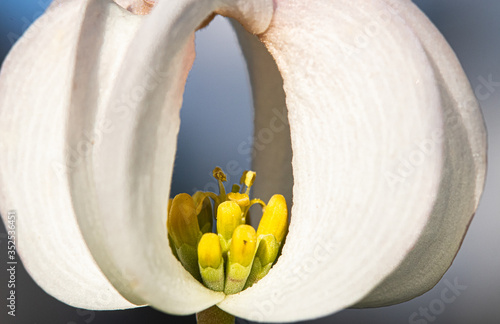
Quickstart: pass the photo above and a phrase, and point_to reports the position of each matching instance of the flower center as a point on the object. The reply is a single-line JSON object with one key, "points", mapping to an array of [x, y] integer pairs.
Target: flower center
{"points": [[236, 256]]}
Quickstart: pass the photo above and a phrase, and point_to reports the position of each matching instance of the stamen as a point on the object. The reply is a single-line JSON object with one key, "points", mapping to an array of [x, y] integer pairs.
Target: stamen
{"points": [[240, 258], [250, 178], [209, 251], [257, 201], [247, 178], [211, 262], [236, 256], [241, 199], [271, 232], [221, 177], [274, 219], [243, 245], [246, 209], [219, 174], [228, 219]]}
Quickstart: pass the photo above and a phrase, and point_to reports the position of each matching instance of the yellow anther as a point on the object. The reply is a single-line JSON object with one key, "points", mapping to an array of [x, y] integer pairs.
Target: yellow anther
{"points": [[243, 245], [209, 251], [243, 177], [228, 218], [274, 219], [219, 174], [248, 177], [241, 199], [221, 177], [182, 223]]}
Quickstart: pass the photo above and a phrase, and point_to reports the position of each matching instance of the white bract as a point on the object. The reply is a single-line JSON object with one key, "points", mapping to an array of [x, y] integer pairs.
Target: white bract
{"points": [[388, 152]]}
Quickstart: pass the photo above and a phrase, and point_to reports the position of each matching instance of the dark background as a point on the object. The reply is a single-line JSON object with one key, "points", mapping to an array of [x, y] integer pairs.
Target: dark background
{"points": [[218, 86]]}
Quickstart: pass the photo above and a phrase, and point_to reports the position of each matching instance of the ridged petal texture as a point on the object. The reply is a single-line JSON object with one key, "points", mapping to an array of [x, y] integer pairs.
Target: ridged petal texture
{"points": [[387, 167], [35, 94], [388, 156]]}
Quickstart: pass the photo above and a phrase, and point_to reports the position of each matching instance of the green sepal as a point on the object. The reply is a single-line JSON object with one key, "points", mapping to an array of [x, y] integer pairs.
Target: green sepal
{"points": [[258, 272], [188, 255], [267, 251], [213, 278], [236, 277], [172, 246]]}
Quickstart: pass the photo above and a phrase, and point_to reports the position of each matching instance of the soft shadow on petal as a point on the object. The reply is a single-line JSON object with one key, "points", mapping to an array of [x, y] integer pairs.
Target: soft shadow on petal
{"points": [[272, 149], [353, 116], [35, 92]]}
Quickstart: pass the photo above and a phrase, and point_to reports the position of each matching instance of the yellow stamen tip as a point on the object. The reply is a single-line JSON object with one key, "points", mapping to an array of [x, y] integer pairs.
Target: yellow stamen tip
{"points": [[241, 199], [275, 218], [228, 218], [243, 245], [209, 251], [182, 223], [248, 177], [219, 174]]}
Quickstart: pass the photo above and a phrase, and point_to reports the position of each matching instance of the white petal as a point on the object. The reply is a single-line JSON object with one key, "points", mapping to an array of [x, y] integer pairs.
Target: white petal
{"points": [[463, 180], [272, 150], [355, 119], [121, 189], [35, 91], [118, 148]]}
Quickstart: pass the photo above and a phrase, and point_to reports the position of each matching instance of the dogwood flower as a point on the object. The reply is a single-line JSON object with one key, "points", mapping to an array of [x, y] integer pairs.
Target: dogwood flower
{"points": [[384, 159]]}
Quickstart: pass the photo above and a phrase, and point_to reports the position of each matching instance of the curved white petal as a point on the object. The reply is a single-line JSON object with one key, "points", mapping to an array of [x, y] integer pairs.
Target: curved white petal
{"points": [[120, 191], [463, 179], [352, 226], [35, 92], [272, 149], [365, 99], [115, 90]]}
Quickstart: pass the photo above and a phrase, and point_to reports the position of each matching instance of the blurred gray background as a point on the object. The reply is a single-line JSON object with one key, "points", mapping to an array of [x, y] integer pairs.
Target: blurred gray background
{"points": [[218, 86]]}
